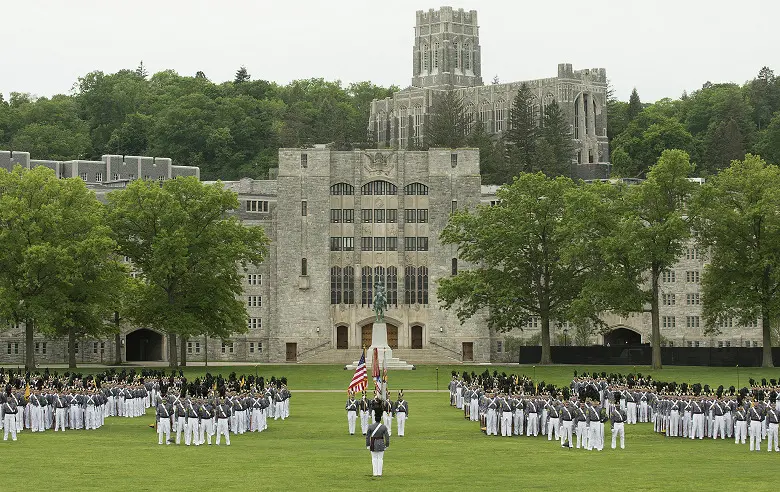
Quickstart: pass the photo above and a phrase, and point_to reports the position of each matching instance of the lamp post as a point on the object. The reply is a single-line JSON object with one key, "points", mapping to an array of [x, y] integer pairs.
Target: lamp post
{"points": [[437, 379]]}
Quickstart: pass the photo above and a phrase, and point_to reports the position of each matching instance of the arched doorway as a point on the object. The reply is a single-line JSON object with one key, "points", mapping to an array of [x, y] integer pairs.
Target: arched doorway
{"points": [[143, 345], [392, 335], [417, 337], [622, 336], [342, 337]]}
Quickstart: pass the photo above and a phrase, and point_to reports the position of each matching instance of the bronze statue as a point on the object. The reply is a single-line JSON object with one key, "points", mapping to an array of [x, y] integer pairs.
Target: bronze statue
{"points": [[380, 302]]}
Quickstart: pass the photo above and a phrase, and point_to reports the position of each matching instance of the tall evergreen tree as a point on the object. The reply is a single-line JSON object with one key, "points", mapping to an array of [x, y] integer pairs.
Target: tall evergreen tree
{"points": [[555, 147], [446, 125], [522, 134], [140, 71], [491, 159], [634, 105], [242, 75]]}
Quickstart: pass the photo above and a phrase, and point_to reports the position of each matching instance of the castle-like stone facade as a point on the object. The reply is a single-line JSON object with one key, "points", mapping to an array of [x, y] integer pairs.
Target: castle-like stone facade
{"points": [[447, 56], [338, 223]]}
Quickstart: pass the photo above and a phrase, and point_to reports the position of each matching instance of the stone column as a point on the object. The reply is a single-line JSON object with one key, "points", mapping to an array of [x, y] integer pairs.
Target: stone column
{"points": [[581, 120], [591, 117]]}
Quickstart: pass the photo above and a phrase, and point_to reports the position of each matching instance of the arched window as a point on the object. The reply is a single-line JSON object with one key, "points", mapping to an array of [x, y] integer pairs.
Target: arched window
{"points": [[422, 285], [500, 115], [436, 55], [454, 266], [335, 285], [410, 285], [379, 275], [470, 117], [415, 189], [342, 189], [366, 287], [392, 286], [349, 285], [456, 50], [467, 56], [403, 117], [484, 116], [379, 188], [304, 267], [425, 57]]}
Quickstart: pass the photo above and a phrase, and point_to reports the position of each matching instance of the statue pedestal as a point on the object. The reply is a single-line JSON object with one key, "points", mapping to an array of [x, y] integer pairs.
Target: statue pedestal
{"points": [[383, 351]]}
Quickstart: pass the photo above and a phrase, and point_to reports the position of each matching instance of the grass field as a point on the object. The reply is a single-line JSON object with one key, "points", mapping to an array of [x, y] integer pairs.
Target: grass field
{"points": [[441, 451]]}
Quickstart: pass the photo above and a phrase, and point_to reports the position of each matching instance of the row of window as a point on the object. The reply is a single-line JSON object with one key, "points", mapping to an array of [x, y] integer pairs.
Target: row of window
{"points": [[691, 299], [695, 322], [691, 276], [12, 348], [368, 243], [463, 56], [378, 188], [193, 348], [254, 301], [721, 343], [342, 285], [379, 216], [117, 177], [260, 206]]}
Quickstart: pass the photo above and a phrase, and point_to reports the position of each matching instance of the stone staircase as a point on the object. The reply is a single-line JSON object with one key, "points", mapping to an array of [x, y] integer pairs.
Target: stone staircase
{"points": [[428, 355]]}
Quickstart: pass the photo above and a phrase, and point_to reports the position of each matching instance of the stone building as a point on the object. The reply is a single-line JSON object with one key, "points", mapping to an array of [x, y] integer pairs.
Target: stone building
{"points": [[447, 56], [681, 320]]}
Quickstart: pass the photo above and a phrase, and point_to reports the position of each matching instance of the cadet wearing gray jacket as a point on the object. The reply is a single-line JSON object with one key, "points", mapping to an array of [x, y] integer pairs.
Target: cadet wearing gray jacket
{"points": [[377, 440]]}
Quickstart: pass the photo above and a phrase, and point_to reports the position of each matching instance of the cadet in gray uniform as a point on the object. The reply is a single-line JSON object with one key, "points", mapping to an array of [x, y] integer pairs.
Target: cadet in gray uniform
{"points": [[377, 440], [352, 410], [9, 417], [163, 413], [401, 413]]}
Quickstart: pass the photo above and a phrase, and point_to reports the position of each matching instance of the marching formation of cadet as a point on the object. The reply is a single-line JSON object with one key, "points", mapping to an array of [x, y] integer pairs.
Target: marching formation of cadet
{"points": [[363, 408], [513, 406], [199, 409]]}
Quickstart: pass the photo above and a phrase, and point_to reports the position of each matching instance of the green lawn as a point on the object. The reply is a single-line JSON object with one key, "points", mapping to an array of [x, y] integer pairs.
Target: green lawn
{"points": [[441, 451]]}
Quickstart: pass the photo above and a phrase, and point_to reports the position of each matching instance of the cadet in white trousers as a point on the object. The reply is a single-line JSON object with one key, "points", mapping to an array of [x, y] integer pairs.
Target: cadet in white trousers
{"points": [[223, 415], [401, 413], [377, 441], [351, 407]]}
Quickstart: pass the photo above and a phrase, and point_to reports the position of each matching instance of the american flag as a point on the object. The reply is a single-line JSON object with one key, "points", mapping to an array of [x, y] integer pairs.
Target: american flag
{"points": [[375, 372], [359, 380]]}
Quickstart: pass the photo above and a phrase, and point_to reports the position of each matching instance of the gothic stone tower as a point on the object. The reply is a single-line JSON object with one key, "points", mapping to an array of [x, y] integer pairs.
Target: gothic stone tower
{"points": [[446, 51]]}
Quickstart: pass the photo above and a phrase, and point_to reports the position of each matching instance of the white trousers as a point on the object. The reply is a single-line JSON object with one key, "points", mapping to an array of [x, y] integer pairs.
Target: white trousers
{"points": [[533, 424], [719, 426], [674, 424], [279, 410], [631, 412], [206, 430], [377, 460], [474, 409], [164, 428], [553, 426], [506, 424], [351, 419], [566, 429], [60, 416], [388, 421], [180, 426], [492, 423], [740, 431], [363, 422], [697, 430], [191, 431], [222, 430], [619, 429], [9, 425], [771, 438], [582, 434], [755, 435], [400, 417]]}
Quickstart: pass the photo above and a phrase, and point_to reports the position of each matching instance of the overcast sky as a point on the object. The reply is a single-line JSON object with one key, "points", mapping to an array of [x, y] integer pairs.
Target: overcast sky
{"points": [[660, 46]]}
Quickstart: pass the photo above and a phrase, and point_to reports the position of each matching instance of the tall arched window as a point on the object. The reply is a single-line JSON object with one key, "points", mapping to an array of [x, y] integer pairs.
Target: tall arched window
{"points": [[467, 56], [418, 122], [471, 118], [410, 285], [366, 287], [436, 55], [379, 275], [335, 285], [422, 285], [456, 50], [392, 286], [379, 188], [500, 115], [426, 66], [484, 116], [403, 116], [342, 189], [349, 285]]}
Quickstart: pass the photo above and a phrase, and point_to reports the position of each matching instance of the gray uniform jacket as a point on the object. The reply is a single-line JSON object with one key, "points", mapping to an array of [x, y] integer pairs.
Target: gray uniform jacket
{"points": [[379, 440]]}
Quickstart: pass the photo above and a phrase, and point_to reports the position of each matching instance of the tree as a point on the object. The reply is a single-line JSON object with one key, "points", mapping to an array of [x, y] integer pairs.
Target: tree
{"points": [[141, 72], [491, 155], [738, 218], [187, 247], [527, 255], [634, 105], [555, 140], [769, 144], [522, 134], [242, 75], [200, 75], [446, 125], [51, 237], [648, 232]]}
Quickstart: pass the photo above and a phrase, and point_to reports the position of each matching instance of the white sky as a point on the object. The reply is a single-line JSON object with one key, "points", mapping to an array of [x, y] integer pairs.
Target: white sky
{"points": [[660, 46]]}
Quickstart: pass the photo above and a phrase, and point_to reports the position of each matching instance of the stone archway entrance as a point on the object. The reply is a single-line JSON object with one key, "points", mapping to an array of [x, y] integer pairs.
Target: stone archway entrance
{"points": [[143, 345], [622, 336], [392, 335], [417, 337]]}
